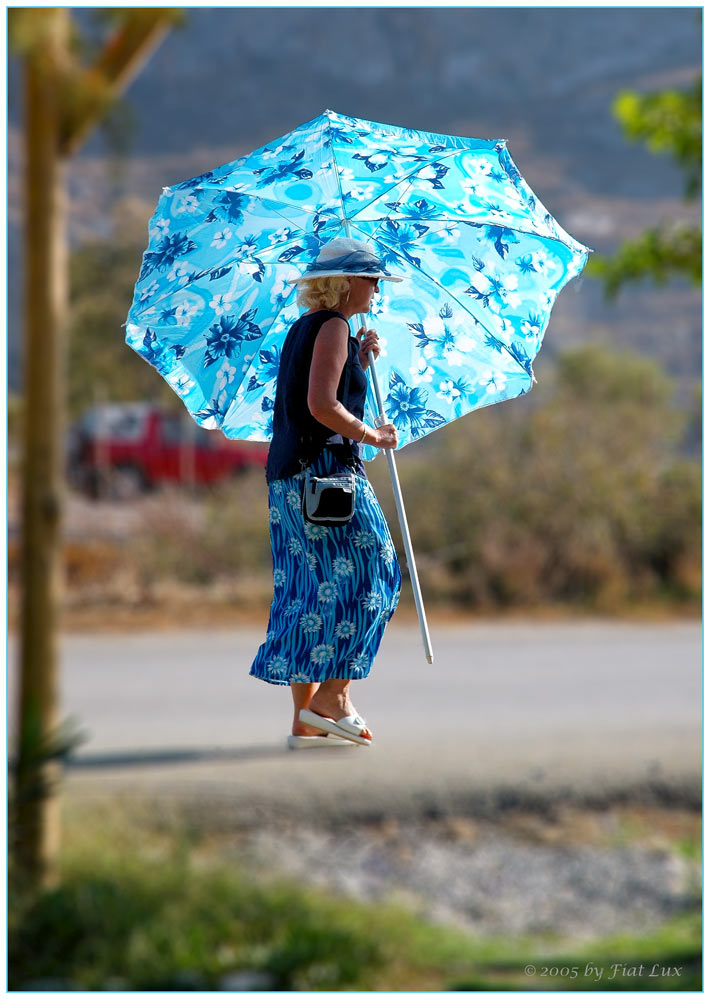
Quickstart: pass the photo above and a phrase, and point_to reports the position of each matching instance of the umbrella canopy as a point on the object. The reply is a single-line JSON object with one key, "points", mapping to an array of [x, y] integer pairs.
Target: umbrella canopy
{"points": [[482, 262]]}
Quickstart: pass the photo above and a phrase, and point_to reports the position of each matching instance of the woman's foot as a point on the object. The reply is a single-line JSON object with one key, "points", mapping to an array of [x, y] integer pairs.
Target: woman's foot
{"points": [[332, 702]]}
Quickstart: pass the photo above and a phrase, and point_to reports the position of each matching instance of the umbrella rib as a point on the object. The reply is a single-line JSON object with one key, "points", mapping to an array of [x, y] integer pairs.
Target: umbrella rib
{"points": [[444, 218], [509, 228], [460, 220], [330, 140], [256, 197], [487, 222], [262, 198], [387, 218], [265, 201], [228, 260], [433, 280], [306, 211], [337, 172], [524, 232], [225, 262], [410, 177], [407, 177], [260, 347]]}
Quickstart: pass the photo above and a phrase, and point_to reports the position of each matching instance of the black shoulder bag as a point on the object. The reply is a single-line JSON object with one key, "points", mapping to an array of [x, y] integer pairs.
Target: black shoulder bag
{"points": [[328, 500]]}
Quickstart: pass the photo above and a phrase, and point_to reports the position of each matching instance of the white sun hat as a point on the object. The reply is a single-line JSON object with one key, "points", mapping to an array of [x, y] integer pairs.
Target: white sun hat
{"points": [[344, 257]]}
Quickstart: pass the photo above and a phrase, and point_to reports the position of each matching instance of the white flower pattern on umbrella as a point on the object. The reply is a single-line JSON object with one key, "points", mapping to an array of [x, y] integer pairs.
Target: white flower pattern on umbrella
{"points": [[182, 383], [494, 381], [530, 327], [225, 374], [188, 203], [421, 372], [180, 273], [221, 239], [222, 304], [186, 312]]}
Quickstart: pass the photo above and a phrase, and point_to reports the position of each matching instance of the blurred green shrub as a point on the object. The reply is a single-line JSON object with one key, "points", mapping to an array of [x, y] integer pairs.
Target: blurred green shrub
{"points": [[584, 496], [103, 273], [147, 918], [228, 538]]}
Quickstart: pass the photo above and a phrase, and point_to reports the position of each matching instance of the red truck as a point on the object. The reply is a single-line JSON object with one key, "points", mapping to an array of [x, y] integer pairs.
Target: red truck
{"points": [[120, 450]]}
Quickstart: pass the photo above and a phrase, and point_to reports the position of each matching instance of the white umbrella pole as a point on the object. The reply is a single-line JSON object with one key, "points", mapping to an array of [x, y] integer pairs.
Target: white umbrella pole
{"points": [[401, 514]]}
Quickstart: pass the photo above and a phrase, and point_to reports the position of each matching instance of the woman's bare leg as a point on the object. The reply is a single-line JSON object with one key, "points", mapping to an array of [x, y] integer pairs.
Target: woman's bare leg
{"points": [[302, 694], [332, 700]]}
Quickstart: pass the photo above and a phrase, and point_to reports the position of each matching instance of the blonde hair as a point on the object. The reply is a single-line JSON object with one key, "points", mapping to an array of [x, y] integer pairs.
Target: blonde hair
{"points": [[322, 293]]}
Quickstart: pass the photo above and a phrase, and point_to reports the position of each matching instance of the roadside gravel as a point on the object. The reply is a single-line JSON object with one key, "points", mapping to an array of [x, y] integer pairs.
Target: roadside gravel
{"points": [[488, 880]]}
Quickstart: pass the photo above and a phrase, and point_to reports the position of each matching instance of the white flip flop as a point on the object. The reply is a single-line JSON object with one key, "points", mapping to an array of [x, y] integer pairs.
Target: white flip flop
{"points": [[345, 728], [314, 742]]}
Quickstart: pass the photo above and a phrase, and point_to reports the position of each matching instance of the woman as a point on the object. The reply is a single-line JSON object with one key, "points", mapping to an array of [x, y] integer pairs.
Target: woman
{"points": [[335, 588]]}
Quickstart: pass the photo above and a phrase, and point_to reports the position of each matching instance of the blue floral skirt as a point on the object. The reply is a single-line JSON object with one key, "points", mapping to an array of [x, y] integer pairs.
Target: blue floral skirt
{"points": [[335, 588]]}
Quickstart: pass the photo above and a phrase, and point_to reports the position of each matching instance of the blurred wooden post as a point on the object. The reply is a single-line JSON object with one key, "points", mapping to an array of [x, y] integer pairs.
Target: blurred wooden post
{"points": [[37, 826], [64, 102]]}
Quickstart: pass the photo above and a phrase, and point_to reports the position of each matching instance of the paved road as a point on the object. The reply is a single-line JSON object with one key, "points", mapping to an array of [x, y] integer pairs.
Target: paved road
{"points": [[583, 706]]}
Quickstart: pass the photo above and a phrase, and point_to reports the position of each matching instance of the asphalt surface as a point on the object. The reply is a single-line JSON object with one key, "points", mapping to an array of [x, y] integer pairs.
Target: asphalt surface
{"points": [[509, 711]]}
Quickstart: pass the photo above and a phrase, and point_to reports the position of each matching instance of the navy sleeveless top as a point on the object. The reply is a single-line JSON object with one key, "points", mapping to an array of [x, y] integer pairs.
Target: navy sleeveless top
{"points": [[297, 434]]}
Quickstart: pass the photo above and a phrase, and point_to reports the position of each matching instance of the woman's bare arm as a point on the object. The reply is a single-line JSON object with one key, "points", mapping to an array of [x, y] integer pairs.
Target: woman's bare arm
{"points": [[330, 352]]}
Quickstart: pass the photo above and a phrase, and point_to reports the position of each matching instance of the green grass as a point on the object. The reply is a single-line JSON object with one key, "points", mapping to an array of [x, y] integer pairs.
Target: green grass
{"points": [[138, 911]]}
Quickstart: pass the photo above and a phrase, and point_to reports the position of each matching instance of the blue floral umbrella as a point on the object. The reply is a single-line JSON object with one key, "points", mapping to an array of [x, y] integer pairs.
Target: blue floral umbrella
{"points": [[483, 262]]}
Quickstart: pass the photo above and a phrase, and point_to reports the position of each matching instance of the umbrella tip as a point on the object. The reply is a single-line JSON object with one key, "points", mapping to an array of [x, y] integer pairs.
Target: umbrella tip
{"points": [[430, 659]]}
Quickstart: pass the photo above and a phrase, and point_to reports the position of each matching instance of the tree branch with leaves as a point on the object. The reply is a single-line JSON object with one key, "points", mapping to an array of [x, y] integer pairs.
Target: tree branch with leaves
{"points": [[667, 122]]}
